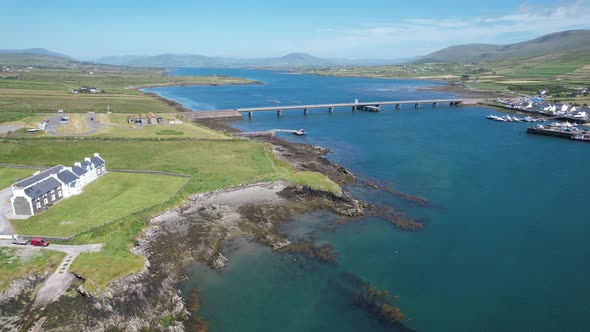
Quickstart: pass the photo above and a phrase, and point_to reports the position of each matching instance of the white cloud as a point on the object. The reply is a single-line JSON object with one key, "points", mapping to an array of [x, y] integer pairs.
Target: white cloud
{"points": [[419, 36]]}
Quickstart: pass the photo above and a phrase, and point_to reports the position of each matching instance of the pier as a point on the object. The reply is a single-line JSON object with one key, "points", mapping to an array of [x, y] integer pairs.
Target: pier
{"points": [[548, 131], [355, 106], [270, 133]]}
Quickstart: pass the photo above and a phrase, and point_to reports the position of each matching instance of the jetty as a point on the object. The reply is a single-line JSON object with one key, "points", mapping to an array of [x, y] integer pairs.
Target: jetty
{"points": [[270, 133], [557, 132], [374, 106]]}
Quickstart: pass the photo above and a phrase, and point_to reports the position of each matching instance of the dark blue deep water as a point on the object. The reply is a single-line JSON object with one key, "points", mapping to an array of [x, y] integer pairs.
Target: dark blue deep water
{"points": [[506, 243]]}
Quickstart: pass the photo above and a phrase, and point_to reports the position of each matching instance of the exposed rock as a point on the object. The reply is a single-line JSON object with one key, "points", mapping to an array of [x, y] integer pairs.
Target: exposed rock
{"points": [[219, 262]]}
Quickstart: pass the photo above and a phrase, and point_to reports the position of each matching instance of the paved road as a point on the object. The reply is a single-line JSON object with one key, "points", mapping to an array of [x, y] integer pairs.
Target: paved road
{"points": [[60, 280], [5, 129], [91, 122], [53, 123], [5, 208]]}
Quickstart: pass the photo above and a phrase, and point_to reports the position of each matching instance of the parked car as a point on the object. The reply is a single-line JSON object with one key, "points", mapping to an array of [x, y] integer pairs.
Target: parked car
{"points": [[39, 242], [20, 241]]}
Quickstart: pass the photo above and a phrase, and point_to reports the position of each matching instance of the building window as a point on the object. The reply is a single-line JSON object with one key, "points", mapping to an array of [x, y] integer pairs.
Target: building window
{"points": [[59, 193], [45, 201], [53, 197], [38, 205]]}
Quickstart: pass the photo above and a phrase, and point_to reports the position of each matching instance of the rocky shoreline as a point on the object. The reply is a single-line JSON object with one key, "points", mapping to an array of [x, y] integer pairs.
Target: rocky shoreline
{"points": [[462, 91], [197, 231]]}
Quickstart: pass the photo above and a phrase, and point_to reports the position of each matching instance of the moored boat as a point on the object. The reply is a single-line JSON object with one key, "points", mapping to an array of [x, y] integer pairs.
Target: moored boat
{"points": [[299, 132], [583, 138]]}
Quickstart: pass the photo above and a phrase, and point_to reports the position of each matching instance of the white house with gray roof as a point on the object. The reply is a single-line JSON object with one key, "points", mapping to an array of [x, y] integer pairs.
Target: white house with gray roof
{"points": [[38, 192]]}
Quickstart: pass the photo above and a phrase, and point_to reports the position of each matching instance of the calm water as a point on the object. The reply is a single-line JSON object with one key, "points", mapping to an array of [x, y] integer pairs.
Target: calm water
{"points": [[506, 242]]}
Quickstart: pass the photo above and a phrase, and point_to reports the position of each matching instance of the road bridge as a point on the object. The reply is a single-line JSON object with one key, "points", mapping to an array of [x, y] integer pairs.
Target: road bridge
{"points": [[374, 106]]}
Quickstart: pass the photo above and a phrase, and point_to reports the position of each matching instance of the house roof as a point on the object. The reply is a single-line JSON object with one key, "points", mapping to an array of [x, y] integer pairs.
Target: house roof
{"points": [[97, 161], [38, 177], [79, 171], [41, 188], [67, 176], [86, 164]]}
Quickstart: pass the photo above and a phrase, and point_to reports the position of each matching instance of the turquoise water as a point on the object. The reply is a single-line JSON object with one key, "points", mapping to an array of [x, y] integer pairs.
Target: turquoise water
{"points": [[505, 247]]}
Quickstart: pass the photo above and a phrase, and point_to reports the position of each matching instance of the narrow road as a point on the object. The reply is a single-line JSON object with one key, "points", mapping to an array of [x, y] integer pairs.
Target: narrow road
{"points": [[53, 123], [5, 208], [91, 122], [58, 282]]}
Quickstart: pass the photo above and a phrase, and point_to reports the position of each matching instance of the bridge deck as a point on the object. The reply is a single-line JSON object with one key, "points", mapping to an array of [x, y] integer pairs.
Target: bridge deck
{"points": [[227, 113]]}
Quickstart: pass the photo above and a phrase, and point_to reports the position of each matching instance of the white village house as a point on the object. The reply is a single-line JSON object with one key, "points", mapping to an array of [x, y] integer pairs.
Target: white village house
{"points": [[38, 192]]}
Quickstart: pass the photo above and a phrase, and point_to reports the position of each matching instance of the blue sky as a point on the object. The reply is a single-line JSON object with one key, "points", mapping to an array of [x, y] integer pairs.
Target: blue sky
{"points": [[346, 29]]}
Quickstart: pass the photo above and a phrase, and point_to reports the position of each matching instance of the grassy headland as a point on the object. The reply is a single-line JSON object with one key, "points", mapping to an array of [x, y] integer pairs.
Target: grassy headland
{"points": [[46, 90], [213, 164], [9, 175], [109, 198], [19, 263], [125, 201], [558, 63], [560, 73]]}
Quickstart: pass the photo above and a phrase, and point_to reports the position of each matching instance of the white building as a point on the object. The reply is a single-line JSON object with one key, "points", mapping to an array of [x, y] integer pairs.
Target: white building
{"points": [[40, 191]]}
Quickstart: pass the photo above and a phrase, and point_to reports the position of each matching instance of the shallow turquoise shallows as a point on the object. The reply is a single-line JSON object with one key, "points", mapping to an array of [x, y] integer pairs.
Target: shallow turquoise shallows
{"points": [[506, 244]]}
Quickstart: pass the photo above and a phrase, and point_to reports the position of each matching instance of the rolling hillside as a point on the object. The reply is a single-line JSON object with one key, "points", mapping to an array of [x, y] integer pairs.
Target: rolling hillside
{"points": [[35, 51], [189, 60], [34, 60], [556, 43]]}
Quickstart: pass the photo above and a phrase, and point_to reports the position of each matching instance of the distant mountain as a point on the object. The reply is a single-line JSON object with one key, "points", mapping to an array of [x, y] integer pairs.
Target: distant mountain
{"points": [[292, 60], [34, 60], [35, 57], [35, 51], [163, 60], [559, 42]]}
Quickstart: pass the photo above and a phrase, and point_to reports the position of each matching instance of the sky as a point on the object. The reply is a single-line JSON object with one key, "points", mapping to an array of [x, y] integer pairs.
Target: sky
{"points": [[385, 29]]}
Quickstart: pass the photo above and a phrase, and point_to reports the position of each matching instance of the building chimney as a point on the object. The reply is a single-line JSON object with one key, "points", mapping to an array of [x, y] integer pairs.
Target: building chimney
{"points": [[78, 164], [87, 159], [96, 154]]}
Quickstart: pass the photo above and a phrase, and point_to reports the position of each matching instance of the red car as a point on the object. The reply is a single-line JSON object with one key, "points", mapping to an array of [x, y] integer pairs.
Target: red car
{"points": [[39, 242]]}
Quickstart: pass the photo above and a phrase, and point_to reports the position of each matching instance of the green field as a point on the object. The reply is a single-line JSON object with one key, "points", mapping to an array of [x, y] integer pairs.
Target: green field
{"points": [[214, 164], [20, 263], [115, 125], [48, 90], [115, 209], [114, 80], [27, 101], [9, 175], [558, 72], [110, 197]]}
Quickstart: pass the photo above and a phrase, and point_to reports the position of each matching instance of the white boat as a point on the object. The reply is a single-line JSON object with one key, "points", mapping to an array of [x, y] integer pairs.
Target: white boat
{"points": [[299, 132], [583, 138]]}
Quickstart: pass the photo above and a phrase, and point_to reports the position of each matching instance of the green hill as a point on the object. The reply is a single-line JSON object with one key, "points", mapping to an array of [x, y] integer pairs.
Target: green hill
{"points": [[556, 43], [34, 60]]}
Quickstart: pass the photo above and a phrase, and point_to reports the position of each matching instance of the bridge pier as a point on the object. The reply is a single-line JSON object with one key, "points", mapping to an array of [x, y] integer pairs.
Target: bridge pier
{"points": [[305, 111], [250, 115], [354, 109], [398, 106], [331, 110], [417, 105], [435, 104], [279, 113]]}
